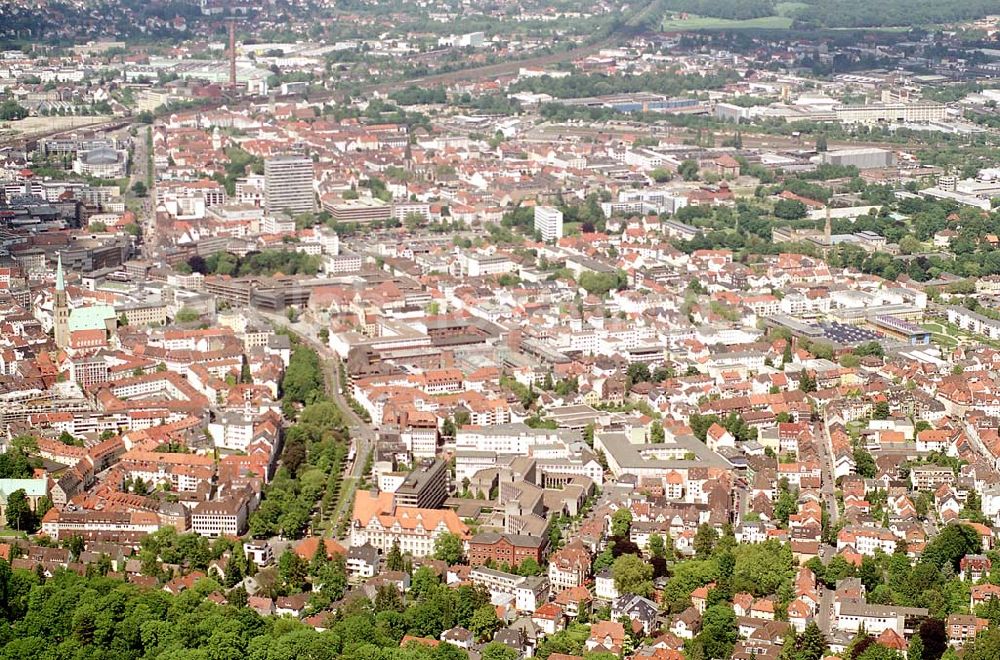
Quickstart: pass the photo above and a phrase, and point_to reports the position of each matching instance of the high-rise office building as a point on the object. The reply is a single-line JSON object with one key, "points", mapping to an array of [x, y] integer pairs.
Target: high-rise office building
{"points": [[288, 184], [549, 222]]}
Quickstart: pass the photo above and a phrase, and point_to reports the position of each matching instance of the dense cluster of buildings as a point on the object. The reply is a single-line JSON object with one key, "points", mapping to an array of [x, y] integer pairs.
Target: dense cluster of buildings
{"points": [[533, 322]]}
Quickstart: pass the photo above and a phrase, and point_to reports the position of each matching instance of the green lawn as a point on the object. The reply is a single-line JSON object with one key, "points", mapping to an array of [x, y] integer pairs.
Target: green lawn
{"points": [[948, 335], [940, 335], [936, 328], [711, 23], [946, 341], [785, 15], [789, 8]]}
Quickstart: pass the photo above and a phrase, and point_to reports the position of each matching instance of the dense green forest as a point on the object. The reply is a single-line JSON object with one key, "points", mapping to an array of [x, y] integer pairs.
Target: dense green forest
{"points": [[731, 9], [890, 13], [414, 95], [839, 13], [97, 618]]}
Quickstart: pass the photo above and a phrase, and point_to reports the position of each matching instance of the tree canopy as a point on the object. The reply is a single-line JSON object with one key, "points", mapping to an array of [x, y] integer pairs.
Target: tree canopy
{"points": [[632, 575], [102, 618]]}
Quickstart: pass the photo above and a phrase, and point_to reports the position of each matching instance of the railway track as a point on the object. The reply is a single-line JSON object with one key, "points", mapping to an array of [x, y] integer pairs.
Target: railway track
{"points": [[478, 73], [17, 140]]}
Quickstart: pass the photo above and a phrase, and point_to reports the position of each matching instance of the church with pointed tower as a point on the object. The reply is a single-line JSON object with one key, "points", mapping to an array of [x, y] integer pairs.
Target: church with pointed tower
{"points": [[60, 311]]}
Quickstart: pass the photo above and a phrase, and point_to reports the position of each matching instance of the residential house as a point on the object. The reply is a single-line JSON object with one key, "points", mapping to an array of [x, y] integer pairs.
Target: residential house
{"points": [[687, 624]]}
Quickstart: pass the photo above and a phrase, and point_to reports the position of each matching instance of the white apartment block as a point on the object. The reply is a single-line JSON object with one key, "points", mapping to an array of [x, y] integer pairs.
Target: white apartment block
{"points": [[866, 540], [275, 224], [549, 222], [852, 614], [416, 541], [528, 592], [890, 112], [233, 431], [475, 264]]}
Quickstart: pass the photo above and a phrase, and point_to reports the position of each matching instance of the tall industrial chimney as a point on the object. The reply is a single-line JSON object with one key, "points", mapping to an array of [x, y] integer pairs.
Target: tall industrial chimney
{"points": [[232, 53]]}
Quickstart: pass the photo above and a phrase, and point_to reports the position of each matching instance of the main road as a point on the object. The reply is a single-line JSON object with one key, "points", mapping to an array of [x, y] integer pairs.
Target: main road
{"points": [[362, 434], [828, 487]]}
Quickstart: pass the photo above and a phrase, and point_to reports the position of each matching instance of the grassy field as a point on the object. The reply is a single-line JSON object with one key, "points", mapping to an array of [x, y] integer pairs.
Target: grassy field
{"points": [[710, 23], [940, 335], [785, 13], [789, 8]]}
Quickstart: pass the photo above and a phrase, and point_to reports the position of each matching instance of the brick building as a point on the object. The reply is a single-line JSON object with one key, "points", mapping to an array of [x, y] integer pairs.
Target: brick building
{"points": [[510, 549]]}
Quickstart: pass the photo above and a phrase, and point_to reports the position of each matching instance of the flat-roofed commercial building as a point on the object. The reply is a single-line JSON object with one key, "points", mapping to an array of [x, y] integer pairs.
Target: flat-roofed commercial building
{"points": [[873, 113], [359, 210], [426, 487]]}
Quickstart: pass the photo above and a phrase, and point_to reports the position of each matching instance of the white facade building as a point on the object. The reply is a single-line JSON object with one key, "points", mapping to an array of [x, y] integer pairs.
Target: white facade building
{"points": [[549, 222]]}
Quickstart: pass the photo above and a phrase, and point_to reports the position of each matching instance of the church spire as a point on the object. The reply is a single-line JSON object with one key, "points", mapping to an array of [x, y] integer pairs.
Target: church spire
{"points": [[60, 280], [60, 310]]}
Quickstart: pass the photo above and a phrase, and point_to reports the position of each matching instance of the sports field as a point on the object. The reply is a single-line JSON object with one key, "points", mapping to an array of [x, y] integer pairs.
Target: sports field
{"points": [[710, 23]]}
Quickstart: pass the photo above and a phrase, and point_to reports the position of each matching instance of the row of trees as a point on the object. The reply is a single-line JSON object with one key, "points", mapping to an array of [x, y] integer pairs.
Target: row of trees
{"points": [[578, 85], [311, 463], [94, 109], [313, 456], [414, 95], [732, 9], [303, 382]]}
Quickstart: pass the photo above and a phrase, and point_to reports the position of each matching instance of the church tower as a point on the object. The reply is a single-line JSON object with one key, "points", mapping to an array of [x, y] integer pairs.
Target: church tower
{"points": [[828, 229], [60, 311]]}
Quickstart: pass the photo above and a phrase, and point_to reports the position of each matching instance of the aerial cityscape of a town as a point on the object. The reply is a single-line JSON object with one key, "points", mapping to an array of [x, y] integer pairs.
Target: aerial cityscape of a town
{"points": [[441, 330]]}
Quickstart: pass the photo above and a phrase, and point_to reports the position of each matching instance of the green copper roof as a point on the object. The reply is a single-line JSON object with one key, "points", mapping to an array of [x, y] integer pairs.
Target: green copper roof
{"points": [[90, 318], [31, 487]]}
